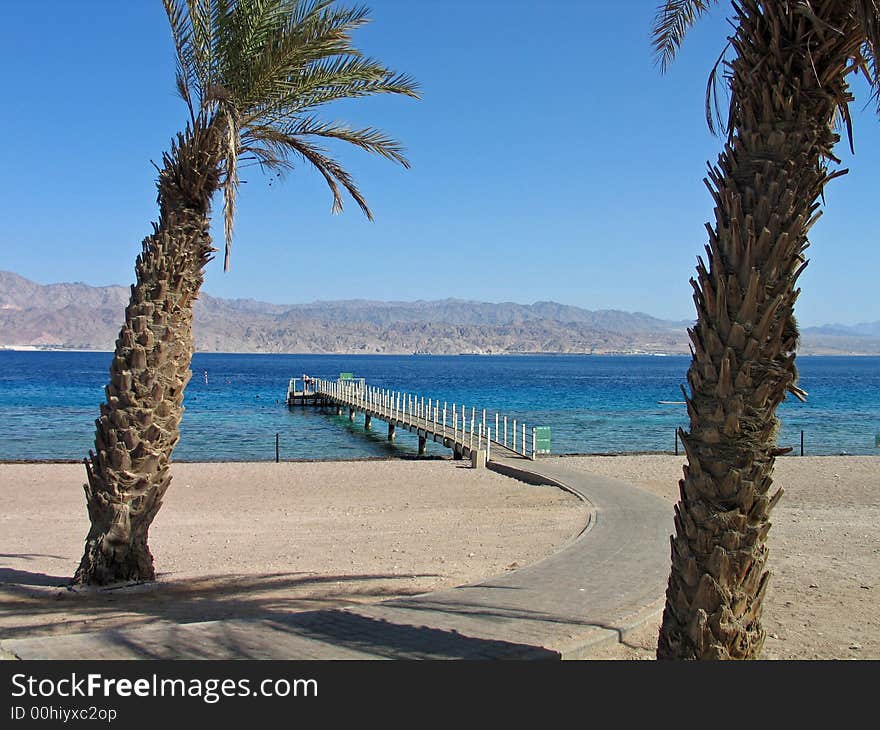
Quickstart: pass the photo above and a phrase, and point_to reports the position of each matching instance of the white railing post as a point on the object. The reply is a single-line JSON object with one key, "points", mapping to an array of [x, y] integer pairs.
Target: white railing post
{"points": [[524, 439], [513, 445], [489, 443], [444, 418], [454, 423], [534, 442]]}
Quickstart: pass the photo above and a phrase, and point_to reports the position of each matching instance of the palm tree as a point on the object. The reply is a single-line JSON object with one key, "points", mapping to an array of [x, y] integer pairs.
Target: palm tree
{"points": [[787, 79], [252, 74]]}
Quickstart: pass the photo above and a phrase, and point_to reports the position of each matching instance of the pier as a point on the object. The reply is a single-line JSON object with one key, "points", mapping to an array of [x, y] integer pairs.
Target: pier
{"points": [[472, 434]]}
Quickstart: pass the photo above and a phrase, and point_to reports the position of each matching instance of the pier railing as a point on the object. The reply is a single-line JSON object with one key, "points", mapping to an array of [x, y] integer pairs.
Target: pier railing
{"points": [[466, 425]]}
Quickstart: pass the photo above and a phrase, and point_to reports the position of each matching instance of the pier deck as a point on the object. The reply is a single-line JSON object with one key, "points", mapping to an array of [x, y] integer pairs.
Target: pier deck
{"points": [[468, 432]]}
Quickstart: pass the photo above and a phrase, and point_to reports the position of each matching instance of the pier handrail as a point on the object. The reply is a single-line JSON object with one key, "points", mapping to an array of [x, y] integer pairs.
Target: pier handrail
{"points": [[426, 413]]}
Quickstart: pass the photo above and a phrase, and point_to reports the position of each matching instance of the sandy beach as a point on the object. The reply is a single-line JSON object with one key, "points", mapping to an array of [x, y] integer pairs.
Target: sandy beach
{"points": [[824, 553], [238, 540]]}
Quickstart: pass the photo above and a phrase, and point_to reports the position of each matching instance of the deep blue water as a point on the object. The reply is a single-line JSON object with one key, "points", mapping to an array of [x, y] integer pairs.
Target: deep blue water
{"points": [[49, 400]]}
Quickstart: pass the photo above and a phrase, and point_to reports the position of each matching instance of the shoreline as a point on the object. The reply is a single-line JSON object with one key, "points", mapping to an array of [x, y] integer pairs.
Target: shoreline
{"points": [[403, 457]]}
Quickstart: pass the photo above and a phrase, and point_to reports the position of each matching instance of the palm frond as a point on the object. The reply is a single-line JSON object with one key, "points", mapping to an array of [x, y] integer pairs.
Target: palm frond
{"points": [[253, 72], [327, 80], [254, 24], [204, 19], [269, 161], [867, 13], [369, 139], [232, 143], [673, 20], [716, 123], [324, 32], [181, 31], [332, 172]]}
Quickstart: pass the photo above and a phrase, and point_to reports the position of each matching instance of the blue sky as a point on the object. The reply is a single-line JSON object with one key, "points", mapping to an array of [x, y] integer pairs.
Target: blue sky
{"points": [[550, 161]]}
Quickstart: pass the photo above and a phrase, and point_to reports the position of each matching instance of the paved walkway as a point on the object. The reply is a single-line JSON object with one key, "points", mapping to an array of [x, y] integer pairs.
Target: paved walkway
{"points": [[607, 581]]}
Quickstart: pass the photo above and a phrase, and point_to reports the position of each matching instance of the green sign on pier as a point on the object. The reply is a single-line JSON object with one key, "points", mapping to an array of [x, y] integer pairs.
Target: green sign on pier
{"points": [[542, 439]]}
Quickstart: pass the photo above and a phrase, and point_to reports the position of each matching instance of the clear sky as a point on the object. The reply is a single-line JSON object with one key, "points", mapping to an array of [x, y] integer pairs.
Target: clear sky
{"points": [[550, 161]]}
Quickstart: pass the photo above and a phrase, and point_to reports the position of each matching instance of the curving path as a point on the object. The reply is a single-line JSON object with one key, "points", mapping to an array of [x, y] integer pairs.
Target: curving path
{"points": [[607, 581]]}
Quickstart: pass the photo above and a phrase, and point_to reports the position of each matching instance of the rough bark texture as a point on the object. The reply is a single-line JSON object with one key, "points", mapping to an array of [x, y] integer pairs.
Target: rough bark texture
{"points": [[788, 77], [128, 473]]}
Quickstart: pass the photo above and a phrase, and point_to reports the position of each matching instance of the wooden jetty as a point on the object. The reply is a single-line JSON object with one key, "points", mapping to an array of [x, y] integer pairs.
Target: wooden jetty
{"points": [[470, 433]]}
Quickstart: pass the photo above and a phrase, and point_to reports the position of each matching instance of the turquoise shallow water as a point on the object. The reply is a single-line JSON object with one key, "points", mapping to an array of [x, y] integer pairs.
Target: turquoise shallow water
{"points": [[49, 400]]}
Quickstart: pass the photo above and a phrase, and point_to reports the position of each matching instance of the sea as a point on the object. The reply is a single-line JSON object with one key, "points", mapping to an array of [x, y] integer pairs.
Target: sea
{"points": [[235, 403]]}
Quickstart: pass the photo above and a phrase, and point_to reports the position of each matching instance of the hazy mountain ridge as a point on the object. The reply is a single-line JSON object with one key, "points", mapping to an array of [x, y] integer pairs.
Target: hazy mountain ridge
{"points": [[54, 315]]}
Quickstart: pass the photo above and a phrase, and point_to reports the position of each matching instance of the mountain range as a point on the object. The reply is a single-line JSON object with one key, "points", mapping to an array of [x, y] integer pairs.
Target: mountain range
{"points": [[53, 316]]}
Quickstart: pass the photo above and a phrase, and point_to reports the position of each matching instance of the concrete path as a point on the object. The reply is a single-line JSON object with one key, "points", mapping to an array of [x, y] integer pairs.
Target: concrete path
{"points": [[607, 581]]}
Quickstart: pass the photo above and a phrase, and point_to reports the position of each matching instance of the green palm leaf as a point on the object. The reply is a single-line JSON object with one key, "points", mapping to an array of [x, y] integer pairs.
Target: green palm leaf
{"points": [[673, 20], [256, 71]]}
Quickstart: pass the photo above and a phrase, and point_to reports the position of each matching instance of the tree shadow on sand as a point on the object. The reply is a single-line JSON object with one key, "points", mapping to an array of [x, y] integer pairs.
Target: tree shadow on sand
{"points": [[27, 577], [276, 615], [35, 604]]}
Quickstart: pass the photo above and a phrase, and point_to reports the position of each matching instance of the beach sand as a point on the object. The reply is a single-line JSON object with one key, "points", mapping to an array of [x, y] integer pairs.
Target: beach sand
{"points": [[824, 554], [236, 540]]}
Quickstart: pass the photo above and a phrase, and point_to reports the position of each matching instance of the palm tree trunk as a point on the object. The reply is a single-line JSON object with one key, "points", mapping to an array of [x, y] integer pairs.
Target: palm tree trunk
{"points": [[787, 78], [128, 472]]}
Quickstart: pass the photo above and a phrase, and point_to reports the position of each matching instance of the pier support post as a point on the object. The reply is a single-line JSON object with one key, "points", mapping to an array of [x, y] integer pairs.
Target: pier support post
{"points": [[338, 410], [478, 458], [368, 422], [456, 452], [423, 443], [351, 414], [391, 430]]}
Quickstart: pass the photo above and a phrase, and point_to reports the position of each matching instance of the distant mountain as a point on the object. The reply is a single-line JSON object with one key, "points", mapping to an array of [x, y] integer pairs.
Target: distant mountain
{"points": [[863, 329], [83, 317]]}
